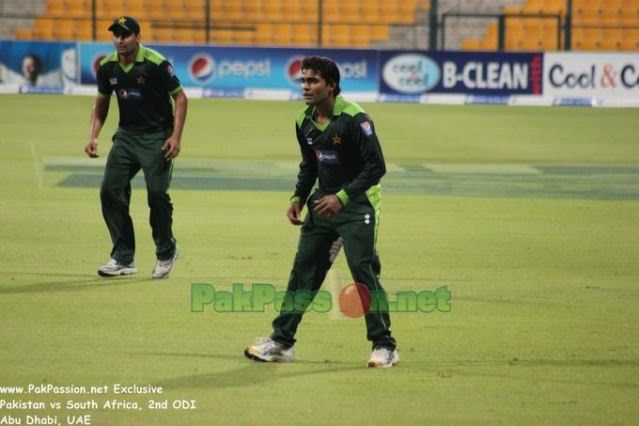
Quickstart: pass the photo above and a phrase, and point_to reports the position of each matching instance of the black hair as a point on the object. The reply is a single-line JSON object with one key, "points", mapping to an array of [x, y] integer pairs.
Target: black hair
{"points": [[37, 62], [325, 67]]}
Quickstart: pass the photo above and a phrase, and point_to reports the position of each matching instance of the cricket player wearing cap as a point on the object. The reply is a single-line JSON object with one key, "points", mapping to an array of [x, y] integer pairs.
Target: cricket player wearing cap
{"points": [[148, 138], [341, 151]]}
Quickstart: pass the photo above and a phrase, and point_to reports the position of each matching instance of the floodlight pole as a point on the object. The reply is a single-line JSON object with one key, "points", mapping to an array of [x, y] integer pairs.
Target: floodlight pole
{"points": [[432, 29], [94, 20], [320, 19], [501, 32], [207, 20], [568, 26]]}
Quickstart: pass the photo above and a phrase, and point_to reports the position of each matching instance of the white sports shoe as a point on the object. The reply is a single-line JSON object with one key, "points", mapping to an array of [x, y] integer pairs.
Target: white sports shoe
{"points": [[266, 349], [383, 358], [114, 269], [163, 267]]}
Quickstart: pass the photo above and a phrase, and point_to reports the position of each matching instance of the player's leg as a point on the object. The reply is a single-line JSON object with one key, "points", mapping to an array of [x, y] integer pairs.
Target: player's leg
{"points": [[157, 174], [358, 228], [115, 196], [312, 262]]}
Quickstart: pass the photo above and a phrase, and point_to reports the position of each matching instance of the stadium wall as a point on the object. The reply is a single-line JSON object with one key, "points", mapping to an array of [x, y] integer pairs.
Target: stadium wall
{"points": [[534, 78]]}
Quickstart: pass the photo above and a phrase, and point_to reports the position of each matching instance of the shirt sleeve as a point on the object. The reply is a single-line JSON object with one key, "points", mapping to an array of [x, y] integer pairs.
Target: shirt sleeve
{"points": [[169, 81], [308, 169], [365, 138], [102, 77]]}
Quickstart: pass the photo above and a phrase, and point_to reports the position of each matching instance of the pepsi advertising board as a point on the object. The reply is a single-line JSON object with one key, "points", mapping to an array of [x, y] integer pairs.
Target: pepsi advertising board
{"points": [[90, 56], [416, 73], [231, 70], [599, 79], [592, 75]]}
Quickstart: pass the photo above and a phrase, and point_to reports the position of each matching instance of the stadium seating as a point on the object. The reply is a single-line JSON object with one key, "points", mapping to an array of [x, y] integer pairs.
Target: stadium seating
{"points": [[353, 23], [608, 25], [597, 24]]}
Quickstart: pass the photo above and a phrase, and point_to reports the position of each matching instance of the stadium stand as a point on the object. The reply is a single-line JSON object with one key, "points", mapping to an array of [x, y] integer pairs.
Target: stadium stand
{"points": [[600, 25], [353, 23]]}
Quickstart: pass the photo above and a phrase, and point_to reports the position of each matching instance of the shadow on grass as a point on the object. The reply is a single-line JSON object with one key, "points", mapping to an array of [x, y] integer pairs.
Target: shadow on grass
{"points": [[506, 370], [516, 362], [73, 282], [251, 374]]}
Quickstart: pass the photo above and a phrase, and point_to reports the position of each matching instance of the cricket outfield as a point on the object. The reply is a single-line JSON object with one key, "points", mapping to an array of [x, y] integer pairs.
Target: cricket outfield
{"points": [[529, 216]]}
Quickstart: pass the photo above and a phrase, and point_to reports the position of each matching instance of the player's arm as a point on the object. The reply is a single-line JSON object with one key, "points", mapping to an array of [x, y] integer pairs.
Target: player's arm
{"points": [[173, 144], [99, 114], [171, 84], [305, 179], [366, 139], [100, 111]]}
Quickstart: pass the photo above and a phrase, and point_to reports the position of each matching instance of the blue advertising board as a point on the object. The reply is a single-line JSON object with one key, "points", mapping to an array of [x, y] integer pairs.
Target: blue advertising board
{"points": [[38, 65], [414, 73], [233, 69], [246, 71]]}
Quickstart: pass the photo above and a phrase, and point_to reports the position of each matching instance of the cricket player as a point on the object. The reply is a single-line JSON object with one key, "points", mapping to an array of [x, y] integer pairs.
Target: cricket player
{"points": [[148, 138], [341, 151]]}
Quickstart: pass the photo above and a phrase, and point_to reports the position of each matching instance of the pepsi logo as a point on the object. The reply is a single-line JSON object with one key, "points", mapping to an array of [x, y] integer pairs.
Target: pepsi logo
{"points": [[202, 68], [294, 70]]}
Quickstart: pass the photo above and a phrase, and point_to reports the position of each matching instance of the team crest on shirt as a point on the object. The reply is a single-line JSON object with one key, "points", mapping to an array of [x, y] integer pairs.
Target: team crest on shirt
{"points": [[367, 128], [113, 81], [337, 140], [141, 80], [309, 141]]}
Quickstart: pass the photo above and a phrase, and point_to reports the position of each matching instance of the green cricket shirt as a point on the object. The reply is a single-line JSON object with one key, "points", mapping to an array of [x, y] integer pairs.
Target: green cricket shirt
{"points": [[143, 89], [343, 154]]}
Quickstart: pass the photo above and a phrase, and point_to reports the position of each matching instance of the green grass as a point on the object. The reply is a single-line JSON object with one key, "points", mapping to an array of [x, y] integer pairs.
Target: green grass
{"points": [[542, 268]]}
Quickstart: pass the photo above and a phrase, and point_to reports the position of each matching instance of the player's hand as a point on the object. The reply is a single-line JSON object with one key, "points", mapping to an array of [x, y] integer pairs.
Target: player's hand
{"points": [[294, 214], [171, 148], [327, 206], [91, 149]]}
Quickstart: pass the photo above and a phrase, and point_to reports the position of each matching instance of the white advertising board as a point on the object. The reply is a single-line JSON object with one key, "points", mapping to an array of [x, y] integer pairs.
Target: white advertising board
{"points": [[606, 79]]}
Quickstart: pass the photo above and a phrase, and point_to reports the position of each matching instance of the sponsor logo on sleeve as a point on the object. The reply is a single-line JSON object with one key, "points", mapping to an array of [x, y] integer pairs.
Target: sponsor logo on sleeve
{"points": [[367, 128]]}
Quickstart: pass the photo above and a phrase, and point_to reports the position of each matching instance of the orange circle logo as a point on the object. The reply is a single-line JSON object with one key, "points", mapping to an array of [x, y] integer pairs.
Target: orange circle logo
{"points": [[354, 300]]}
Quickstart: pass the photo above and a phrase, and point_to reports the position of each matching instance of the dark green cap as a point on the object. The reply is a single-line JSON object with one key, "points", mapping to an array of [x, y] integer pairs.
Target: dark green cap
{"points": [[126, 23]]}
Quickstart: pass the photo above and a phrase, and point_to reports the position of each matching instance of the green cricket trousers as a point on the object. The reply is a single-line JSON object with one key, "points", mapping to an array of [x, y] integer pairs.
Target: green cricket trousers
{"points": [[357, 224], [130, 153]]}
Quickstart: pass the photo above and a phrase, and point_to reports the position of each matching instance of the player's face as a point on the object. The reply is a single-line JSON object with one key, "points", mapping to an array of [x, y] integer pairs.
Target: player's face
{"points": [[125, 42], [29, 68], [315, 89]]}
